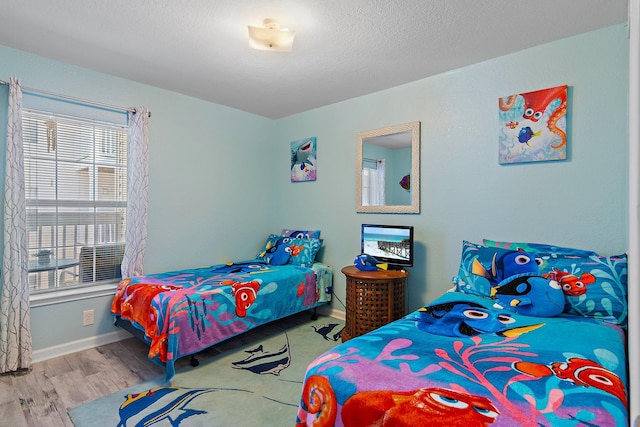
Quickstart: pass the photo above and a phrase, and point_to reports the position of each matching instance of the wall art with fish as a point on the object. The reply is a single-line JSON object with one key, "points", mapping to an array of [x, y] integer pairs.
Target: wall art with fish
{"points": [[303, 160], [532, 126]]}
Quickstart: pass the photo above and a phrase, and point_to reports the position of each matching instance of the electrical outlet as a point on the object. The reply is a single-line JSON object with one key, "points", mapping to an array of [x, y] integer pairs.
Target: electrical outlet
{"points": [[87, 317]]}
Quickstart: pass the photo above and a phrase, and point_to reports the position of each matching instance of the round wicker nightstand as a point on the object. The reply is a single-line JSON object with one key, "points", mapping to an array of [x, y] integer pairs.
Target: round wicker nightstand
{"points": [[374, 298]]}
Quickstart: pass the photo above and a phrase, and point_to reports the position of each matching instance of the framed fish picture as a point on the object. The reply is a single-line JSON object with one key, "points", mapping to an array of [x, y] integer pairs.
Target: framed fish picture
{"points": [[303, 160], [533, 126]]}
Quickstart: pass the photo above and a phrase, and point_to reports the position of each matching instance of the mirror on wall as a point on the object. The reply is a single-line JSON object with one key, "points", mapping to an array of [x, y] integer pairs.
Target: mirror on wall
{"points": [[388, 169]]}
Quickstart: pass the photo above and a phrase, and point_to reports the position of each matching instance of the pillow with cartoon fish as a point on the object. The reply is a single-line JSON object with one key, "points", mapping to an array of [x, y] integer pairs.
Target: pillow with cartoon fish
{"points": [[304, 251], [301, 251], [276, 250], [530, 294], [269, 243], [483, 268], [593, 285], [537, 248], [301, 234]]}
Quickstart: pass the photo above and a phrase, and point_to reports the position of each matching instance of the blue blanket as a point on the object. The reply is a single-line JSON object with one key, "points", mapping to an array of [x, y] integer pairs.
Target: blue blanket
{"points": [[461, 361], [183, 312]]}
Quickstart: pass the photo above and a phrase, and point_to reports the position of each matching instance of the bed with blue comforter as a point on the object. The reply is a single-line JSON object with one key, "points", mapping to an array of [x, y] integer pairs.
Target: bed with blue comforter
{"points": [[500, 349], [180, 313]]}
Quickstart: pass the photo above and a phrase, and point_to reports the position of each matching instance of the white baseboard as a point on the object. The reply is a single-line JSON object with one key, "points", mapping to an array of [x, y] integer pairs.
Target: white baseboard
{"points": [[325, 310], [79, 345], [87, 343]]}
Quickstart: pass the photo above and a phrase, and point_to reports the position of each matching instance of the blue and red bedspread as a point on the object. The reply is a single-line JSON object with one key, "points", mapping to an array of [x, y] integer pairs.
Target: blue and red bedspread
{"points": [[183, 312], [460, 361]]}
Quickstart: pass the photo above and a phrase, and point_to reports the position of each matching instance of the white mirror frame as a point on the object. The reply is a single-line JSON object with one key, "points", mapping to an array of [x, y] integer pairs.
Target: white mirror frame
{"points": [[414, 207]]}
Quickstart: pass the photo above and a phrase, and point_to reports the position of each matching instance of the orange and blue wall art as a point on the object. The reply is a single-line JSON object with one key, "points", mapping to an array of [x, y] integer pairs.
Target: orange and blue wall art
{"points": [[533, 126]]}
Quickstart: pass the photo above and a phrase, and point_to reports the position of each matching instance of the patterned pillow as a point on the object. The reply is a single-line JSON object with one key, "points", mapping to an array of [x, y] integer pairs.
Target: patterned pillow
{"points": [[537, 248], [469, 281], [530, 294], [275, 250], [304, 251], [594, 286], [301, 234], [269, 243]]}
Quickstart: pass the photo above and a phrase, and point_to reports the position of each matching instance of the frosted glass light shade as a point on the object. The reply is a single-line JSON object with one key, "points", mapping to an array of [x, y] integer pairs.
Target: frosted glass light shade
{"points": [[271, 37]]}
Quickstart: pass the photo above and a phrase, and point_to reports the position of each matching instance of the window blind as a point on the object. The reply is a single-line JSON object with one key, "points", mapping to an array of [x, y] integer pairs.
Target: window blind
{"points": [[76, 198]]}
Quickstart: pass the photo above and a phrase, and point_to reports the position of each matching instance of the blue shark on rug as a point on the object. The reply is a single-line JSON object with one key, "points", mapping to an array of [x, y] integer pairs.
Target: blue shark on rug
{"points": [[327, 331], [264, 362], [160, 404]]}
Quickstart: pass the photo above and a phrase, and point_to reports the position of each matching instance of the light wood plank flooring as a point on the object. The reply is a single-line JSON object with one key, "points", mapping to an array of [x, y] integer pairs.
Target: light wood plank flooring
{"points": [[41, 397]]}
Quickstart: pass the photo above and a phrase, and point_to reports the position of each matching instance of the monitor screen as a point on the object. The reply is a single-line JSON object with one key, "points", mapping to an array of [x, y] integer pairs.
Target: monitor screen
{"points": [[392, 244]]}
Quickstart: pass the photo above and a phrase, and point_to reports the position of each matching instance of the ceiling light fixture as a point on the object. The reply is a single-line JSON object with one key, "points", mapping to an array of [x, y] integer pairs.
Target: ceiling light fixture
{"points": [[271, 37]]}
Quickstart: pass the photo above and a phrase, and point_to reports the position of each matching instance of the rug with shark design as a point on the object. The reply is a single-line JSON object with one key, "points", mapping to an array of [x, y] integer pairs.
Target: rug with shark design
{"points": [[257, 384]]}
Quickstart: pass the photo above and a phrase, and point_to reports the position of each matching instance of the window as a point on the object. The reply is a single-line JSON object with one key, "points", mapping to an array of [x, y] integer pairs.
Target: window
{"points": [[373, 179], [76, 197]]}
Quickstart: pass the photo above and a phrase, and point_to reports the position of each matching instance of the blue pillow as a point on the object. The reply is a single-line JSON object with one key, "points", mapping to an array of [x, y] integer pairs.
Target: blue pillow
{"points": [[537, 248], [477, 264], [530, 294], [301, 234], [602, 290], [304, 251], [276, 250], [268, 244], [594, 286]]}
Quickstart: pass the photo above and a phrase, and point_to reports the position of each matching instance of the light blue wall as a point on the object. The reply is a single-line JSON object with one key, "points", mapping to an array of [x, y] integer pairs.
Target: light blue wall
{"points": [[465, 193], [219, 178], [210, 179]]}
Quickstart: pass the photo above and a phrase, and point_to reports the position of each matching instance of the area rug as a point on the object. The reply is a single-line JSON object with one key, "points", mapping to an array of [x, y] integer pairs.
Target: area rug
{"points": [[258, 384]]}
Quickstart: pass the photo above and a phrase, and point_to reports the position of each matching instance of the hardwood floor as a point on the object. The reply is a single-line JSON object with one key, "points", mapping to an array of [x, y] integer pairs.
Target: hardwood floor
{"points": [[41, 397]]}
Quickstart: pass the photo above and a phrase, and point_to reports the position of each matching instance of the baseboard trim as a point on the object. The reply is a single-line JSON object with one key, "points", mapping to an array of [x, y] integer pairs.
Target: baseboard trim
{"points": [[330, 311], [87, 343], [79, 345]]}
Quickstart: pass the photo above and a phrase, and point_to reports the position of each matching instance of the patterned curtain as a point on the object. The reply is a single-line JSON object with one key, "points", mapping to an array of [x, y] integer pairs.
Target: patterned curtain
{"points": [[15, 323], [138, 192]]}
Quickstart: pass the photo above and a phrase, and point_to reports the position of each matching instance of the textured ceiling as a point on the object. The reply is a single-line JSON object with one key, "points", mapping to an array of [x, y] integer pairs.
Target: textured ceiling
{"points": [[343, 48]]}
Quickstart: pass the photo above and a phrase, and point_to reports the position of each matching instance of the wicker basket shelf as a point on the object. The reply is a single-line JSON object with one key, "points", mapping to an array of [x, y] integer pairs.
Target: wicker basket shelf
{"points": [[374, 298]]}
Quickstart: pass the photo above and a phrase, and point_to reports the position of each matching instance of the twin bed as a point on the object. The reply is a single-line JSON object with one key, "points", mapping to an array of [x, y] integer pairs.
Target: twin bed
{"points": [[500, 349], [180, 313]]}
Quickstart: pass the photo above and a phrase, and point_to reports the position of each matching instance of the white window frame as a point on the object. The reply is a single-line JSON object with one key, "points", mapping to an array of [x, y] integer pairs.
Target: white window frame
{"points": [[103, 151]]}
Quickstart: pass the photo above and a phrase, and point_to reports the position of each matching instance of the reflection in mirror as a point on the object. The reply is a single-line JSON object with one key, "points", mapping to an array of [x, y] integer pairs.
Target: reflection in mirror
{"points": [[388, 169]]}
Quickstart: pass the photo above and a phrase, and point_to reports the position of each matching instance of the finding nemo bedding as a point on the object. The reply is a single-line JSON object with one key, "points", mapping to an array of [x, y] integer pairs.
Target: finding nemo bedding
{"points": [[183, 312], [460, 361]]}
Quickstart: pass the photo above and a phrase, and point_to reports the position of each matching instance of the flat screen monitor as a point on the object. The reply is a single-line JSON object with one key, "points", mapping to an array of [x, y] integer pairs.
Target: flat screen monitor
{"points": [[391, 244]]}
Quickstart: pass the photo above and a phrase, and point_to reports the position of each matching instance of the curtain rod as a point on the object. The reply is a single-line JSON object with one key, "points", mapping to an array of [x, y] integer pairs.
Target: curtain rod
{"points": [[366, 159], [71, 98]]}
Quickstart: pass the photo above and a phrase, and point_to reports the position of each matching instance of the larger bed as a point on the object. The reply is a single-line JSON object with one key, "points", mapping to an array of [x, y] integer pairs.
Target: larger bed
{"points": [[180, 313], [468, 359]]}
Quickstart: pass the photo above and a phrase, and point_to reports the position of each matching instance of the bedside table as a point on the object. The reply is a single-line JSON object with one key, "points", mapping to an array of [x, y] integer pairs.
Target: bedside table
{"points": [[374, 298]]}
